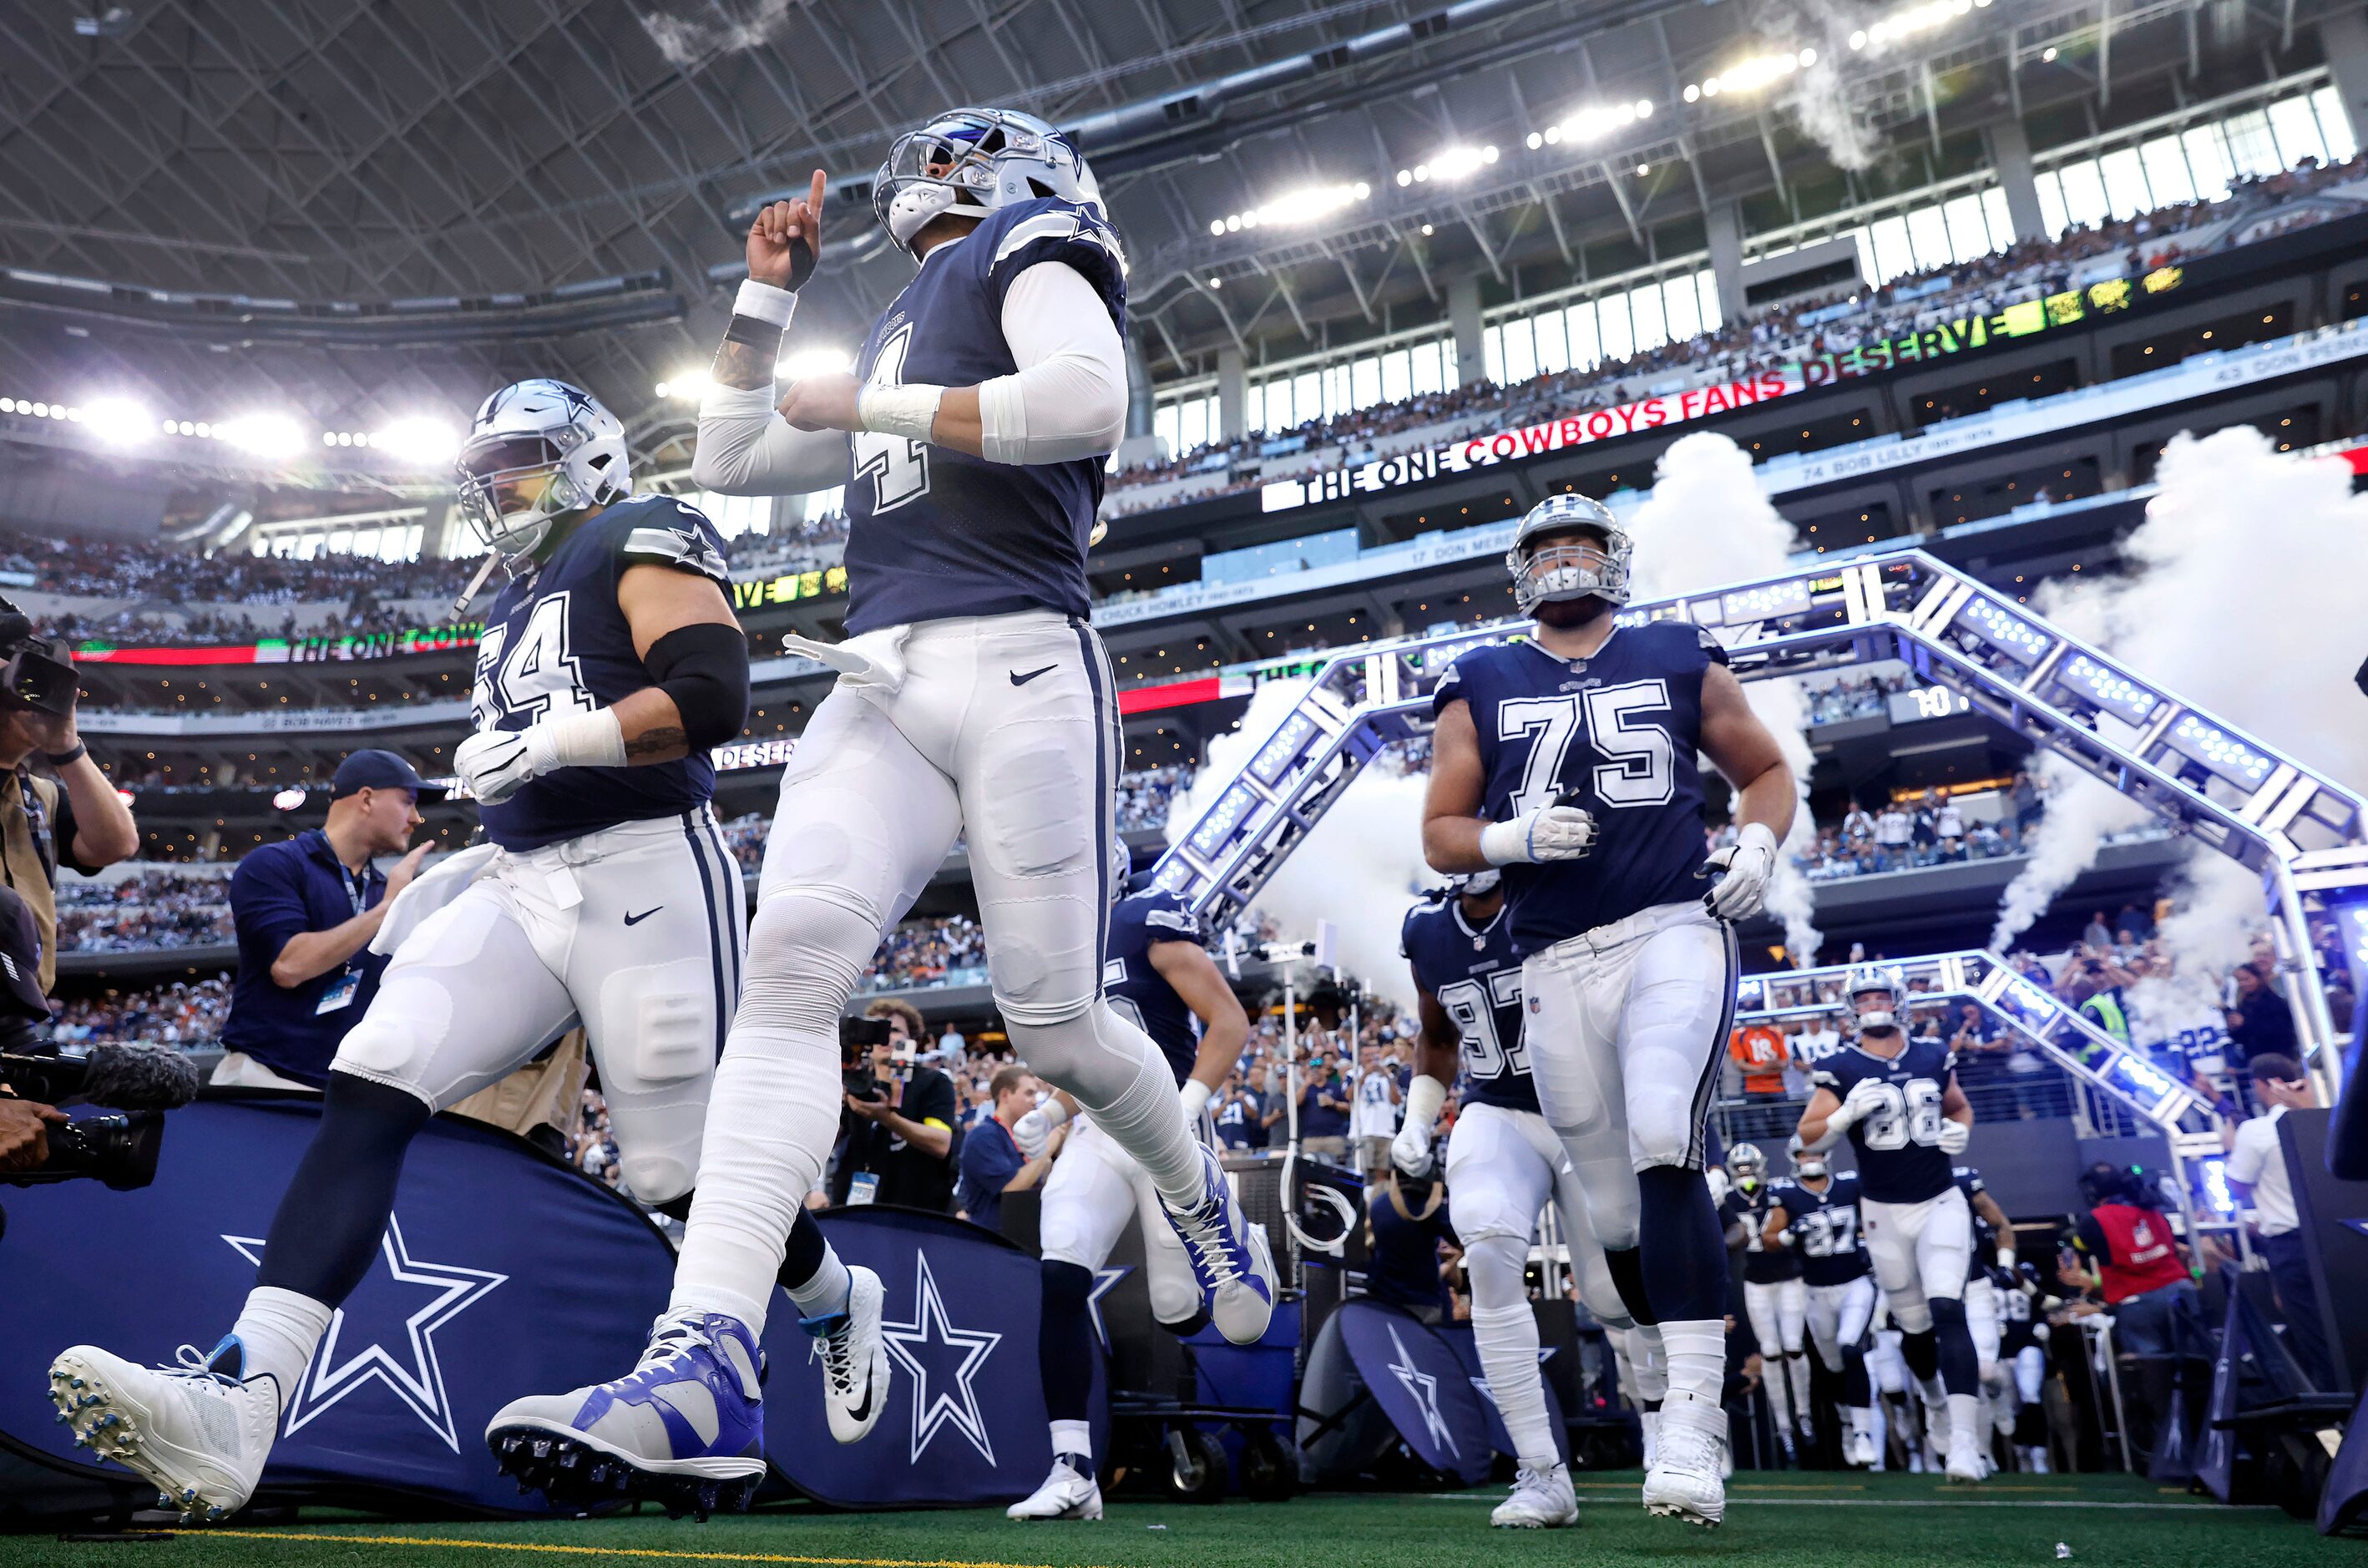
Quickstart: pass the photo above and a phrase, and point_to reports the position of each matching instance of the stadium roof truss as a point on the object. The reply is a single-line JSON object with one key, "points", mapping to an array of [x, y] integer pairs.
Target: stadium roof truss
{"points": [[2306, 835]]}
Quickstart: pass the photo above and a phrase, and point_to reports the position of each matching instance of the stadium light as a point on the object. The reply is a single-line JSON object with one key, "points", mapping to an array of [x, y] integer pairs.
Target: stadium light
{"points": [[689, 386], [1591, 124], [424, 442], [1448, 164], [1915, 19], [265, 435], [1304, 205], [119, 421], [814, 362], [1749, 75]]}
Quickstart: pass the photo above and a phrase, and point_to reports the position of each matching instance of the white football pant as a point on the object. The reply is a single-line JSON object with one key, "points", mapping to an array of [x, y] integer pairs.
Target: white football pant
{"points": [[1094, 1189], [1838, 1318], [635, 930], [1920, 1253]]}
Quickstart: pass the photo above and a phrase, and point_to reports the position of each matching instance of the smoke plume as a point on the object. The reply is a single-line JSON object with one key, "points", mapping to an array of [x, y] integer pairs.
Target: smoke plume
{"points": [[2238, 588], [1707, 524], [1813, 93], [730, 27]]}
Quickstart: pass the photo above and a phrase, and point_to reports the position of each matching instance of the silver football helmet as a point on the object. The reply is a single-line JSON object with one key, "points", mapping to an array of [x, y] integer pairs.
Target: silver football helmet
{"points": [[1870, 980], [1479, 885], [972, 161], [1569, 568], [535, 428], [1745, 1163]]}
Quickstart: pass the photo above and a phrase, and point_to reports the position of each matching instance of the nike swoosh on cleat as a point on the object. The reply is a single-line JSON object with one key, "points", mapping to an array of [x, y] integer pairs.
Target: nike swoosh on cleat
{"points": [[1019, 679], [863, 1412], [645, 915]]}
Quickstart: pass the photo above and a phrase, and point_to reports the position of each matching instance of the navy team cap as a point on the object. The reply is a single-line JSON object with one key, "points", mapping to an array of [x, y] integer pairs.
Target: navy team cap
{"points": [[375, 770]]}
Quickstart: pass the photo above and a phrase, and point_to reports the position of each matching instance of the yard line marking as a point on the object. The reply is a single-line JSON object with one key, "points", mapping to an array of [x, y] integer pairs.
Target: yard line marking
{"points": [[606, 1550], [2016, 1502]]}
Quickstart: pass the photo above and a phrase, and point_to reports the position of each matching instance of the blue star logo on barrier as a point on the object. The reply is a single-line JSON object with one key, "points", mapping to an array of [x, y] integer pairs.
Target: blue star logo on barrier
{"points": [[1105, 1281], [954, 1402], [1423, 1389], [355, 1352]]}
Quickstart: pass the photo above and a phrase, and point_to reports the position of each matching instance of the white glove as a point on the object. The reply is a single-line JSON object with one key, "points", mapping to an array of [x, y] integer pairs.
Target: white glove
{"points": [[1032, 1131], [1954, 1136], [1866, 1098], [1410, 1152], [495, 764], [1551, 833], [1742, 870]]}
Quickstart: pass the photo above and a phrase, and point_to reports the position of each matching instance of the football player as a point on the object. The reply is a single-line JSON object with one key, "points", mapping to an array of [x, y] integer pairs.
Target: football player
{"points": [[1774, 1297], [973, 698], [1814, 1215], [1157, 972], [1504, 1164], [1898, 1103], [1992, 1250], [2022, 1345], [1569, 761], [609, 665]]}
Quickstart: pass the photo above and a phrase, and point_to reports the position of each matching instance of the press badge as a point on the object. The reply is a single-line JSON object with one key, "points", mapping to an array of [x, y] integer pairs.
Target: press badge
{"points": [[340, 993], [864, 1188]]}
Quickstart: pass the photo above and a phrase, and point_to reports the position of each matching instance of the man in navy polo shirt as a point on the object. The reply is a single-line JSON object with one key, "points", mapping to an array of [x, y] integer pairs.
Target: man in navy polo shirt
{"points": [[306, 909], [992, 1163]]}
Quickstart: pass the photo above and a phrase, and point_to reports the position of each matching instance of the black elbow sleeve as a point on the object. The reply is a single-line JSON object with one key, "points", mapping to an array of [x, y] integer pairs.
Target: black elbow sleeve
{"points": [[705, 669]]}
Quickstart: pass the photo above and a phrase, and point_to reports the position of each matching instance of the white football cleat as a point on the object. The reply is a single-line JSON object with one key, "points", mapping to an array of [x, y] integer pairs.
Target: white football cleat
{"points": [[1065, 1495], [1965, 1467], [1542, 1500], [198, 1431], [1685, 1481], [854, 1359], [1861, 1450], [1230, 1261]]}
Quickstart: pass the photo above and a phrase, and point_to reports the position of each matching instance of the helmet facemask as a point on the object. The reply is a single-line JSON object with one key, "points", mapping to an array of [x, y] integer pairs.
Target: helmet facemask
{"points": [[493, 464]]}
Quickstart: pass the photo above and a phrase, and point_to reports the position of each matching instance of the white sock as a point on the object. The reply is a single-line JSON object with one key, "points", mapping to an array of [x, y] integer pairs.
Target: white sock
{"points": [[279, 1330], [1780, 1402], [1074, 1438], [827, 1292], [771, 1118], [1861, 1420], [1651, 1361], [1507, 1341], [1696, 1352], [1965, 1422]]}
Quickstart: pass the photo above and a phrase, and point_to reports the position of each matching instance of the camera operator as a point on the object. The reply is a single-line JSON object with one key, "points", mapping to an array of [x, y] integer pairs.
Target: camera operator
{"points": [[75, 819], [25, 1131], [898, 1124]]}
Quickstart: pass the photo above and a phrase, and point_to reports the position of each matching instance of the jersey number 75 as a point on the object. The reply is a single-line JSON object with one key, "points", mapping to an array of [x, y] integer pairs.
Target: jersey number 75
{"points": [[1640, 760]]}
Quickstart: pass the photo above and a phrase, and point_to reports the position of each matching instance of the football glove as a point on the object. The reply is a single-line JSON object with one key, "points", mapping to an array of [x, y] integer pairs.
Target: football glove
{"points": [[495, 764], [1410, 1153], [1866, 1098], [1740, 873], [1550, 833], [1954, 1136]]}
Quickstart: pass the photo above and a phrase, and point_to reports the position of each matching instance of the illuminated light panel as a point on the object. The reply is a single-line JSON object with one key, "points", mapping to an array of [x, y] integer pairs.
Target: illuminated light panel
{"points": [[1277, 754], [2017, 635], [1449, 164], [1750, 76], [265, 435], [2142, 1076], [120, 422], [430, 443], [1230, 807], [1306, 206], [1591, 124], [1768, 601], [2110, 688], [1915, 19], [689, 386], [2211, 1175], [2220, 751]]}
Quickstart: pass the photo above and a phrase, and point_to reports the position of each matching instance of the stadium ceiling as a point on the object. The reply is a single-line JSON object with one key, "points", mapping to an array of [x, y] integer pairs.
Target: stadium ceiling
{"points": [[359, 205]]}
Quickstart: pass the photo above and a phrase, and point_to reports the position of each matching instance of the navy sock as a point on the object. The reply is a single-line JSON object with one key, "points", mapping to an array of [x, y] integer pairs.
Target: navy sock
{"points": [[333, 1214], [1627, 1268], [1858, 1391], [1961, 1369], [1065, 1339], [803, 1256], [1921, 1353], [1684, 1251]]}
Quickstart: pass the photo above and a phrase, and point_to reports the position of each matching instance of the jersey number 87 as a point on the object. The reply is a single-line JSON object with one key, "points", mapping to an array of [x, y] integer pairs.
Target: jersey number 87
{"points": [[1911, 1113]]}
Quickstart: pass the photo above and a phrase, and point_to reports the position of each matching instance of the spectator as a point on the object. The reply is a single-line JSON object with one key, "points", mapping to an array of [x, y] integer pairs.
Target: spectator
{"points": [[2256, 1170], [1374, 1122], [992, 1164], [2260, 1021], [1949, 829], [1893, 829], [1324, 1111], [306, 910], [1758, 1053], [1241, 1114], [899, 1140], [2025, 795], [2125, 1249], [2097, 935], [1858, 826]]}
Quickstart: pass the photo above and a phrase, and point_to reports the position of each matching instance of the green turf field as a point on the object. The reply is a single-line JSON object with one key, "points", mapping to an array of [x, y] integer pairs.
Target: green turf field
{"points": [[1784, 1521]]}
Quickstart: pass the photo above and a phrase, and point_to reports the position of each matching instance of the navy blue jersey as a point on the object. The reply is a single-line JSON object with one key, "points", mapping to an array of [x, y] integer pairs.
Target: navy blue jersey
{"points": [[933, 533], [1762, 1265], [1824, 1228], [1620, 734], [555, 643], [1899, 1156], [1477, 979], [2016, 1316], [1137, 989], [1984, 1252]]}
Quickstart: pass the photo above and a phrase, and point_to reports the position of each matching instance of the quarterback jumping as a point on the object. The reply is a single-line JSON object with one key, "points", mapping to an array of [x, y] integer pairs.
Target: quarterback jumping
{"points": [[1567, 759], [973, 698]]}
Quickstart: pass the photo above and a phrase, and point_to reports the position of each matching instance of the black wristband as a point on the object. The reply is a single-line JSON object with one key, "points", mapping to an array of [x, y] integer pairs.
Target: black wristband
{"points": [[66, 758], [754, 332]]}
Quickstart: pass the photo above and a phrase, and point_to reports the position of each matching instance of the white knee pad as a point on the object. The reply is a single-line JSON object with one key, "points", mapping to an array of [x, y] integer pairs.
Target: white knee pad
{"points": [[1910, 1313], [1499, 1267]]}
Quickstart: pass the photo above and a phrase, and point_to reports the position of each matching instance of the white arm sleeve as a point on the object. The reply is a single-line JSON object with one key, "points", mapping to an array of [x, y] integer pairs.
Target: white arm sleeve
{"points": [[745, 448], [1068, 399]]}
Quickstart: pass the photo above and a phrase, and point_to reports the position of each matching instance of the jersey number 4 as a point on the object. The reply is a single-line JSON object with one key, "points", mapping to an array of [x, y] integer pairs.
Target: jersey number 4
{"points": [[1473, 1004], [1639, 761], [537, 677], [898, 466]]}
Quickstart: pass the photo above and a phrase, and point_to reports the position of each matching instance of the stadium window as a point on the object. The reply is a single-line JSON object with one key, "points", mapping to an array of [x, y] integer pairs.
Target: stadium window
{"points": [[1644, 310], [1192, 425], [1681, 307], [2334, 124], [2000, 221], [1428, 366], [1969, 231], [1307, 397], [1398, 382], [1578, 324], [1520, 351], [1365, 382], [1336, 392], [2207, 160], [1612, 323], [2084, 192], [2252, 149], [1894, 257], [1492, 353], [2051, 203], [2167, 173], [1554, 344], [2296, 132], [1163, 426], [1706, 293], [1928, 236]]}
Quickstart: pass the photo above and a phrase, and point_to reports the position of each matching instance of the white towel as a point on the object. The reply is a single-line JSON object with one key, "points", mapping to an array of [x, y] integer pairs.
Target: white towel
{"points": [[430, 892]]}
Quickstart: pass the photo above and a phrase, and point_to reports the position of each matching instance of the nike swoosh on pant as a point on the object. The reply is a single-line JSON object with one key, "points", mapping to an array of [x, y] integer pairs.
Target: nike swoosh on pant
{"points": [[631, 919], [1019, 679]]}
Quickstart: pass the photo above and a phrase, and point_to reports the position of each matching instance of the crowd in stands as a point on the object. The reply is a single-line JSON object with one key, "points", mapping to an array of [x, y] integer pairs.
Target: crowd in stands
{"points": [[153, 909], [185, 1012]]}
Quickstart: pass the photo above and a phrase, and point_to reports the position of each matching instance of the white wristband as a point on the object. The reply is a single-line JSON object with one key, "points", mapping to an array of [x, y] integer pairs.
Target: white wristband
{"points": [[1054, 1113], [765, 302], [1195, 1095], [2006, 1258], [1505, 843], [899, 411], [579, 740], [1424, 1097]]}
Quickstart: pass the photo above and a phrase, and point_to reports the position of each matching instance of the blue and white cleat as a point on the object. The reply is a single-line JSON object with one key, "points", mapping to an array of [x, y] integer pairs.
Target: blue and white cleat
{"points": [[1230, 1257], [854, 1357], [198, 1431], [684, 1430]]}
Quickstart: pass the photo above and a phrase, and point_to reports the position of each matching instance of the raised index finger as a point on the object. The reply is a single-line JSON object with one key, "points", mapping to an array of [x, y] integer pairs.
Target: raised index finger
{"points": [[813, 201]]}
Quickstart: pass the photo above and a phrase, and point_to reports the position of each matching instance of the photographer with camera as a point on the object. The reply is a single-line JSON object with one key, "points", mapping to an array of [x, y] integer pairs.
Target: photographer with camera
{"points": [[75, 819], [897, 1131]]}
